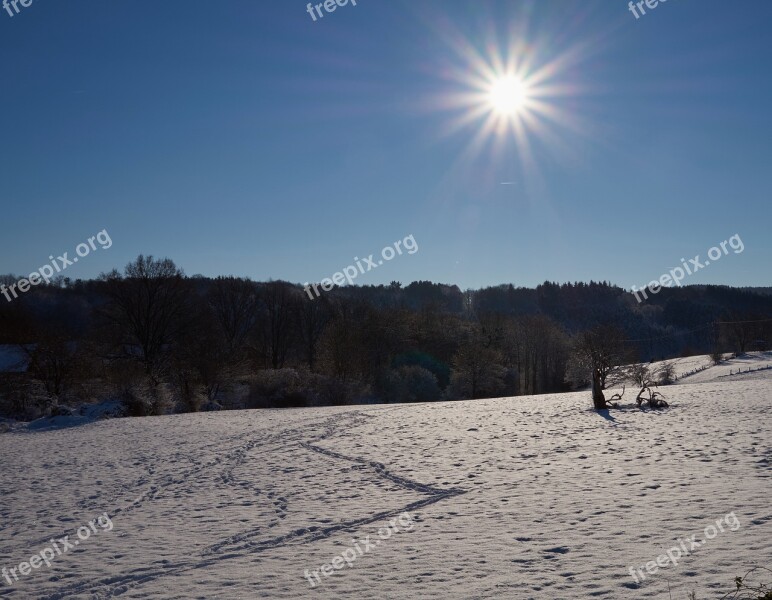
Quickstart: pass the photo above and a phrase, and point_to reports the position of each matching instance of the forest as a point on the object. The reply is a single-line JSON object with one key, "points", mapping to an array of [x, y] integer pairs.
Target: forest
{"points": [[159, 341]]}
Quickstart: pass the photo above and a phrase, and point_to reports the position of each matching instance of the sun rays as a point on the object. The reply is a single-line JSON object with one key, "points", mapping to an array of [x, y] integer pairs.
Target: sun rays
{"points": [[511, 92]]}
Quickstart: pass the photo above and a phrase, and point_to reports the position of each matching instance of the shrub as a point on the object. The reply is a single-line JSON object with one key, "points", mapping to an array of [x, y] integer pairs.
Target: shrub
{"points": [[440, 370], [408, 384], [666, 373], [285, 388], [744, 590], [717, 357], [146, 398], [189, 393], [24, 399], [640, 374]]}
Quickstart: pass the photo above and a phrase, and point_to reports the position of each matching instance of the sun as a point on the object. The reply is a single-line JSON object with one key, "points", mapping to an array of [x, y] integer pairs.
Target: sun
{"points": [[516, 94], [508, 96]]}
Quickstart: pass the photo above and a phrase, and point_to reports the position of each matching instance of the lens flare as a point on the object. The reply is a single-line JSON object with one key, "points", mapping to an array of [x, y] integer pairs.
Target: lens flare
{"points": [[508, 95]]}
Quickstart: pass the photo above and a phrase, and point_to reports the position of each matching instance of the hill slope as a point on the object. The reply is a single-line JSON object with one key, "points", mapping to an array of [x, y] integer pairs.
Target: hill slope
{"points": [[531, 497]]}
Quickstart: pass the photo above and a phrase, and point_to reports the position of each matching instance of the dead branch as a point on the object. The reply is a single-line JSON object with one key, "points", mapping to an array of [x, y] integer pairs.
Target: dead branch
{"points": [[655, 399]]}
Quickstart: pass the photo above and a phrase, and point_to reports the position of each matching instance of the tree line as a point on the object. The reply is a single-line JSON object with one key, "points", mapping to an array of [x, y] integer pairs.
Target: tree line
{"points": [[157, 340]]}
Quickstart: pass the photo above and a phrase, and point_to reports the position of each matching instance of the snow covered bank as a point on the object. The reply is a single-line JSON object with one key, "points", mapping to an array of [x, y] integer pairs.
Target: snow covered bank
{"points": [[530, 497]]}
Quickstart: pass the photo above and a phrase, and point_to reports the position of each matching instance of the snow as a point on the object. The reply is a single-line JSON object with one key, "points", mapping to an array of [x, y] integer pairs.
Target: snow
{"points": [[753, 361], [518, 498], [74, 417]]}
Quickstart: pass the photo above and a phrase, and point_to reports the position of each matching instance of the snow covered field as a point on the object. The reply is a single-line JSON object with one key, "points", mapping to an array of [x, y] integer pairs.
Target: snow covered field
{"points": [[517, 498]]}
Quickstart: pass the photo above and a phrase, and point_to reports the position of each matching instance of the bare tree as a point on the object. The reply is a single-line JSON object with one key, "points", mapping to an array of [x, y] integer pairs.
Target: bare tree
{"points": [[313, 316], [148, 304], [640, 373], [340, 348], [52, 361], [477, 367], [278, 301], [602, 351], [214, 350], [740, 331], [234, 304]]}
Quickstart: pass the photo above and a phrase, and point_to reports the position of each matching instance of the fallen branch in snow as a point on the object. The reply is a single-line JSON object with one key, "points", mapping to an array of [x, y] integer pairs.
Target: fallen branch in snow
{"points": [[746, 591], [655, 399], [616, 397]]}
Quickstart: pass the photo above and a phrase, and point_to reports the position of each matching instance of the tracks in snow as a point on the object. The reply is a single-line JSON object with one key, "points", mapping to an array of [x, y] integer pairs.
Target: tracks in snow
{"points": [[250, 541]]}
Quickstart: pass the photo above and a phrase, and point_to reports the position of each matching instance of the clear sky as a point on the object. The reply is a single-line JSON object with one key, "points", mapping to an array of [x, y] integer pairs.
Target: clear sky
{"points": [[243, 137]]}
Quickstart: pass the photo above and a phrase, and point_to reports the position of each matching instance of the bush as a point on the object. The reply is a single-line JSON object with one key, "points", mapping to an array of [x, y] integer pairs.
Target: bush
{"points": [[146, 398], [750, 591], [286, 388], [440, 370], [717, 357], [421, 385], [640, 374], [744, 590], [408, 384], [24, 399], [334, 392], [666, 373], [189, 394], [276, 389]]}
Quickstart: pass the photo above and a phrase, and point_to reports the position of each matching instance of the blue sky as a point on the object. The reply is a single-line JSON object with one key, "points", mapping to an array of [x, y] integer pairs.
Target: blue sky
{"points": [[244, 138]]}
